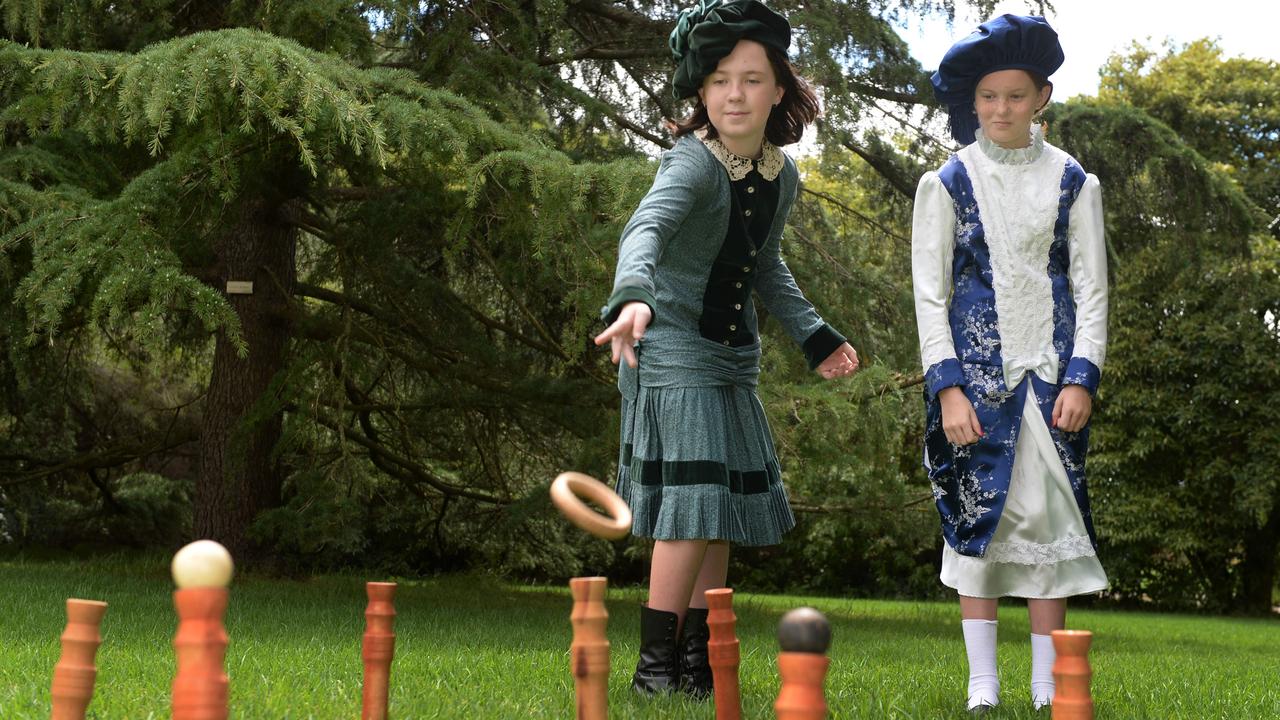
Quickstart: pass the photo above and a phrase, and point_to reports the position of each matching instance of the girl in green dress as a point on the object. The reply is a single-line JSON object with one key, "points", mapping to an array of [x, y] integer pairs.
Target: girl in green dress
{"points": [[697, 464]]}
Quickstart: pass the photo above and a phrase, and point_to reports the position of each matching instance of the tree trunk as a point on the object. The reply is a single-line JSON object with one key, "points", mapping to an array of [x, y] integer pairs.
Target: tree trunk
{"points": [[1260, 565], [237, 480]]}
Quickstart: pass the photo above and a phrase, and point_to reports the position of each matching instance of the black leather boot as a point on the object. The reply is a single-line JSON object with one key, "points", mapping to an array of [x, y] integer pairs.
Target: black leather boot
{"points": [[658, 670], [695, 669]]}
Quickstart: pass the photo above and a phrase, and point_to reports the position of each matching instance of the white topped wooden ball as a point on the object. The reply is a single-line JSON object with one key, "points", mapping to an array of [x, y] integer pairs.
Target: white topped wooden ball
{"points": [[202, 564]]}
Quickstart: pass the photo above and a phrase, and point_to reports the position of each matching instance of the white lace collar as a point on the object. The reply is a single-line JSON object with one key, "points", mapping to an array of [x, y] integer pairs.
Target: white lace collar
{"points": [[1019, 156], [769, 165]]}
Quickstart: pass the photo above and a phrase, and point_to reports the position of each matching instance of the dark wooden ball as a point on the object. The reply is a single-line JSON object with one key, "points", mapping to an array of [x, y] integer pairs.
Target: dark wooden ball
{"points": [[804, 630]]}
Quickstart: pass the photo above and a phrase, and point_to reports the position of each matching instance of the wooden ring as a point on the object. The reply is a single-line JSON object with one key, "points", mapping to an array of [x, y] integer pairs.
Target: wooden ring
{"points": [[567, 492]]}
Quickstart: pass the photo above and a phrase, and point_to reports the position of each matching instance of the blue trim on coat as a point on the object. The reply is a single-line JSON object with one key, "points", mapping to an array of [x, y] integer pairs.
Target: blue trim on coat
{"points": [[942, 375], [972, 315], [1064, 306], [1081, 371]]}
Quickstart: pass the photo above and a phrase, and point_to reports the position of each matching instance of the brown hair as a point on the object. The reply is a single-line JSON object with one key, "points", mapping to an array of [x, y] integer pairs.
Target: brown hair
{"points": [[787, 120], [1041, 83]]}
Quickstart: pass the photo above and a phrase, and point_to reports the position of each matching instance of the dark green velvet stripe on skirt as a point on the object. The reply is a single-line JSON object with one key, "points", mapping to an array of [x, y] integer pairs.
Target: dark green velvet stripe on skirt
{"points": [[696, 472], [699, 463]]}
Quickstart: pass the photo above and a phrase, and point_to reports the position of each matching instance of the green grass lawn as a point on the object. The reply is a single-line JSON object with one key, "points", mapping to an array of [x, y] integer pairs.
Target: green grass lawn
{"points": [[472, 647]]}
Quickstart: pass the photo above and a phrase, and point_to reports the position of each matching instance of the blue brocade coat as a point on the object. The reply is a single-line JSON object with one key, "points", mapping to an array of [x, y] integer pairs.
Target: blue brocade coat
{"points": [[1010, 278]]}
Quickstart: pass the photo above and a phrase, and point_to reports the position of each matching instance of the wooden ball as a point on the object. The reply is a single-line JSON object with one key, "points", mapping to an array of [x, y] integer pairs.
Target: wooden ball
{"points": [[804, 630], [202, 564]]}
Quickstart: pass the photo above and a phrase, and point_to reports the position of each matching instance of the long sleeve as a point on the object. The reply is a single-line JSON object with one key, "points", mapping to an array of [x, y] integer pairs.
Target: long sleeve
{"points": [[932, 248], [1088, 257], [680, 185], [778, 290]]}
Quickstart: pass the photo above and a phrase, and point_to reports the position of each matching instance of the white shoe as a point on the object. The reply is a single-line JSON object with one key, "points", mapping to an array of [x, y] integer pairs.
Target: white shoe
{"points": [[983, 700], [1041, 702]]}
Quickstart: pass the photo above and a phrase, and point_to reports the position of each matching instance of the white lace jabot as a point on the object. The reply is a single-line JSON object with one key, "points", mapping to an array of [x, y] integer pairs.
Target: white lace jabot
{"points": [[1007, 156], [769, 164]]}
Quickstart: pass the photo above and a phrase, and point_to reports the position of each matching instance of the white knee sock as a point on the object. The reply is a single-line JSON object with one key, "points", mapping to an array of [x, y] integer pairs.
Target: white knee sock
{"points": [[1042, 657], [980, 644]]}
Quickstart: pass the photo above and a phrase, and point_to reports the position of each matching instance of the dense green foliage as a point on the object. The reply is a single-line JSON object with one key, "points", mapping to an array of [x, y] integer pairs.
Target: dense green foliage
{"points": [[1187, 431], [1228, 109], [411, 382], [474, 647], [428, 199]]}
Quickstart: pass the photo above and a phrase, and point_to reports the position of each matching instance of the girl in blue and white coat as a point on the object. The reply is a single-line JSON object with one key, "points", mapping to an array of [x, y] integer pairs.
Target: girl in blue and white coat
{"points": [[1010, 280]]}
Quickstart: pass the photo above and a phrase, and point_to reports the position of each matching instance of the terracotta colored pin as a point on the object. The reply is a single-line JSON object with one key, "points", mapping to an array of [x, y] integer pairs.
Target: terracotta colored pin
{"points": [[379, 648], [589, 653], [1071, 675], [75, 672], [804, 635], [202, 571], [723, 653], [569, 487]]}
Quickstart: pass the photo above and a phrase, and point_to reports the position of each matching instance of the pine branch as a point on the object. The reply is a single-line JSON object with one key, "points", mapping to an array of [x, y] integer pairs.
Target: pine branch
{"points": [[827, 257], [861, 217], [618, 14], [294, 212], [875, 91], [332, 296], [241, 82], [919, 130], [513, 295], [453, 402], [628, 125], [402, 468], [906, 381], [110, 457], [435, 361], [108, 497], [598, 52], [662, 103], [358, 194], [898, 180]]}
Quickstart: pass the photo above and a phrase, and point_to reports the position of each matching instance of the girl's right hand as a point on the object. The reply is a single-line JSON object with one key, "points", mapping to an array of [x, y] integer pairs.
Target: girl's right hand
{"points": [[626, 331], [959, 419]]}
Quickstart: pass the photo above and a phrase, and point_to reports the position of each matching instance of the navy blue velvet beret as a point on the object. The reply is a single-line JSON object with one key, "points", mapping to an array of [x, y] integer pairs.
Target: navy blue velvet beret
{"points": [[1009, 42]]}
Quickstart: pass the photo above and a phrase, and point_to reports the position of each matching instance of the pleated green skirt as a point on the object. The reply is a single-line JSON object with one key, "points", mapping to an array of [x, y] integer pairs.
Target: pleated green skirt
{"points": [[698, 462]]}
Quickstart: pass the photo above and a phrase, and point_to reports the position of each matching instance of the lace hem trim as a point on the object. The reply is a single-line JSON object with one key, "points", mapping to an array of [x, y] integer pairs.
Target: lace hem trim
{"points": [[1018, 156], [1024, 553], [769, 165]]}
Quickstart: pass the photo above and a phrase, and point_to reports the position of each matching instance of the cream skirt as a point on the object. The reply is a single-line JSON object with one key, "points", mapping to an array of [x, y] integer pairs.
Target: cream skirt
{"points": [[1040, 548]]}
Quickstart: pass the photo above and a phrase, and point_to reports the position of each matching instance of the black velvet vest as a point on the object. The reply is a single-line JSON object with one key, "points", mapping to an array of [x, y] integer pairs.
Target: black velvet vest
{"points": [[728, 294]]}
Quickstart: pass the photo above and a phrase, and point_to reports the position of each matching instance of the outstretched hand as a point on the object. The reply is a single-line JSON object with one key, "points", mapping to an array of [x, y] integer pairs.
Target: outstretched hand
{"points": [[1072, 410], [626, 331], [841, 363]]}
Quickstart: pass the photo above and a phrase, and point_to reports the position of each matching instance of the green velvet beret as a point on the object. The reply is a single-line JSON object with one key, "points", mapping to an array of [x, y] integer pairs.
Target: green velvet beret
{"points": [[706, 34]]}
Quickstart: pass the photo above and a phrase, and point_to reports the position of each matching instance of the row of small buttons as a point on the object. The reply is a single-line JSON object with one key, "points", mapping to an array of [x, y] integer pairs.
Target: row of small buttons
{"points": [[751, 189]]}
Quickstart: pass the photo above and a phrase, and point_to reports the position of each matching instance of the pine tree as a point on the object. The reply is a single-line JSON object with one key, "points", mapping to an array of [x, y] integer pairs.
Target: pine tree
{"points": [[250, 158]]}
